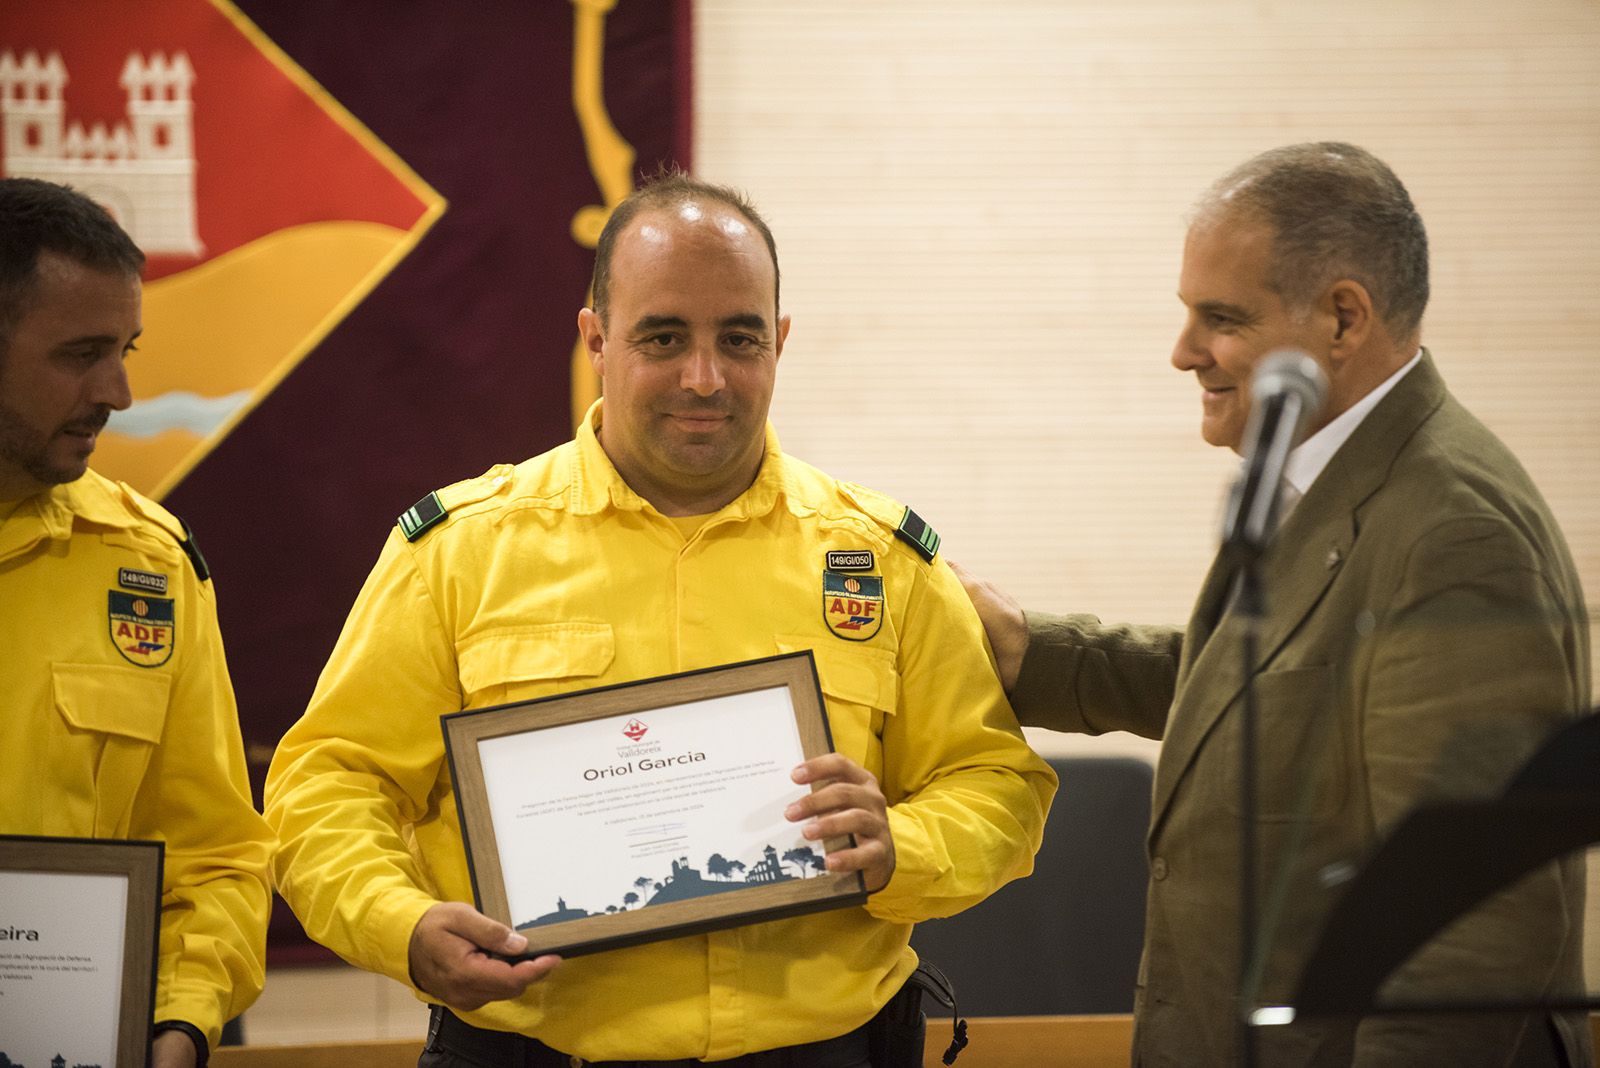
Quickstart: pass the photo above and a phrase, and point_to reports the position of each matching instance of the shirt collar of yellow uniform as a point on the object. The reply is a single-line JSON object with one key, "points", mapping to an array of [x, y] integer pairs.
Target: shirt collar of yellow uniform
{"points": [[596, 485], [50, 515]]}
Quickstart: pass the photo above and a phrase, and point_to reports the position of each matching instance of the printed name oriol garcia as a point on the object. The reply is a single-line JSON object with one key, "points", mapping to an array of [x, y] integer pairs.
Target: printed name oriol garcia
{"points": [[642, 764]]}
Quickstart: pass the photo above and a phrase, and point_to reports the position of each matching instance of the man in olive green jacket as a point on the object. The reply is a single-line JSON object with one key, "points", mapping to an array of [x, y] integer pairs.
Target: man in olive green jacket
{"points": [[1425, 632]]}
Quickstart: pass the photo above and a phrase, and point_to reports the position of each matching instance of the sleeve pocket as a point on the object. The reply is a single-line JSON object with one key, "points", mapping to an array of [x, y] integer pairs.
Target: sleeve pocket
{"points": [[498, 663], [111, 720]]}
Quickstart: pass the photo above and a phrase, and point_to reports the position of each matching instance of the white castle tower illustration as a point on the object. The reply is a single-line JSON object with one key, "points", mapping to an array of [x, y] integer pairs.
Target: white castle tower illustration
{"points": [[142, 171]]}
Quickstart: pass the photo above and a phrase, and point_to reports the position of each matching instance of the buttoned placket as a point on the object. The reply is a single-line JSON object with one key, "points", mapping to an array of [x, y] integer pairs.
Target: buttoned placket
{"points": [[725, 1019]]}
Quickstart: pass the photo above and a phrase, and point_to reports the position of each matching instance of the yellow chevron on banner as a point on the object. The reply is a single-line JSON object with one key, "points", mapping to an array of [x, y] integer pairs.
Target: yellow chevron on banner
{"points": [[610, 160], [310, 277]]}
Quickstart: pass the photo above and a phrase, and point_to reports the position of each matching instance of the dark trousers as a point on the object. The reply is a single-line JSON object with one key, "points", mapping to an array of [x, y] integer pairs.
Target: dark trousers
{"points": [[454, 1043]]}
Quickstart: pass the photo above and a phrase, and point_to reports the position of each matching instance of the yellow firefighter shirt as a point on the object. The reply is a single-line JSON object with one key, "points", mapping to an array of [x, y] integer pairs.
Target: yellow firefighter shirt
{"points": [[553, 576], [117, 720]]}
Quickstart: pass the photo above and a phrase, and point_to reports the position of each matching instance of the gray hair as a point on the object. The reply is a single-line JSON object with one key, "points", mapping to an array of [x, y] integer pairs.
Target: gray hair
{"points": [[1336, 211]]}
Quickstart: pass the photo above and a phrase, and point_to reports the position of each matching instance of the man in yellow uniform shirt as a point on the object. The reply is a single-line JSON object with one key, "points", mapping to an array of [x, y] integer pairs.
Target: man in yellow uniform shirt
{"points": [[672, 534], [117, 717]]}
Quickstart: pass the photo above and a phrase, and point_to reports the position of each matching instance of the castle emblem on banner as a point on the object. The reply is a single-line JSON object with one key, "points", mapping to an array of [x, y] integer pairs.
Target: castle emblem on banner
{"points": [[142, 170], [196, 131]]}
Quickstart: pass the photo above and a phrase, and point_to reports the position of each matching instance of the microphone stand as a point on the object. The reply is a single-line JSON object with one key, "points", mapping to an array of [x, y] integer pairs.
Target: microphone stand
{"points": [[1250, 602], [1251, 522], [1288, 388]]}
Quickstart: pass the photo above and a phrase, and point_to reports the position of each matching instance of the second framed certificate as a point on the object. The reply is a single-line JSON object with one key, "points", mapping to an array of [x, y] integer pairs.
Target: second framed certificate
{"points": [[654, 809], [79, 935]]}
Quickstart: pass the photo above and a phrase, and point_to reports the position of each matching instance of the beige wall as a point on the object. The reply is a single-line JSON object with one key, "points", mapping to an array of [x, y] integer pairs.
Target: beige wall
{"points": [[979, 207], [980, 210]]}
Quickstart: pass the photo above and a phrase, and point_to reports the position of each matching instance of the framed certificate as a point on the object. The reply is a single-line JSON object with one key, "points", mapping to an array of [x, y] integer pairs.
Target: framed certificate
{"points": [[79, 927], [654, 809]]}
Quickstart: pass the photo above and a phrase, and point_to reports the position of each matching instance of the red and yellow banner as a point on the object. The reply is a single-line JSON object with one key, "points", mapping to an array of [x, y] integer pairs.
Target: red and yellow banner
{"points": [[267, 210]]}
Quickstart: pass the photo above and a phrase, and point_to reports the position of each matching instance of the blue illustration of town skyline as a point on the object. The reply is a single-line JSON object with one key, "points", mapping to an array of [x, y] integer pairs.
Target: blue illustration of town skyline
{"points": [[58, 1061], [685, 882]]}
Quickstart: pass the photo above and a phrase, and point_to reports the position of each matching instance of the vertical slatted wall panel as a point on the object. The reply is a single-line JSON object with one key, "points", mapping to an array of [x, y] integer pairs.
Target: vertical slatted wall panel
{"points": [[980, 205]]}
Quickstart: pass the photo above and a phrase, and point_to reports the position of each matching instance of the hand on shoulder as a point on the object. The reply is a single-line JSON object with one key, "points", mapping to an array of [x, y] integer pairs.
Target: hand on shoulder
{"points": [[1003, 621]]}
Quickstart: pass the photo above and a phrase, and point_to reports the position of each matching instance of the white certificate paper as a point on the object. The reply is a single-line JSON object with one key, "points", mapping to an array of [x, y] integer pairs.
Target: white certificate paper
{"points": [[61, 942], [620, 813]]}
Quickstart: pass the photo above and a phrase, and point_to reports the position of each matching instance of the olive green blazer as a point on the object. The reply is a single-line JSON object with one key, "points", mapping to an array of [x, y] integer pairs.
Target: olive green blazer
{"points": [[1424, 632]]}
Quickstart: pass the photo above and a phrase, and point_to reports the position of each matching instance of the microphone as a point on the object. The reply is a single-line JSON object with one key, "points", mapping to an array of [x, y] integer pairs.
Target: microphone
{"points": [[1287, 390]]}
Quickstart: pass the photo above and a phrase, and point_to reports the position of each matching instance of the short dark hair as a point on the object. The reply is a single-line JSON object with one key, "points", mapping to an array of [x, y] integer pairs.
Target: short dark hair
{"points": [[38, 216], [670, 187], [1336, 211]]}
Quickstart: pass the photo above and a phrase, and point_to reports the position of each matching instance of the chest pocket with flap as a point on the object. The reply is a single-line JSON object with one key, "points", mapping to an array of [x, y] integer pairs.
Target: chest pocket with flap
{"points": [[532, 660], [111, 719], [861, 687]]}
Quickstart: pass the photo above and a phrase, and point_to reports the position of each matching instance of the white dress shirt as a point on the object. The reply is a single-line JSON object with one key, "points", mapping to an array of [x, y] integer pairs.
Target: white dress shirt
{"points": [[1312, 455]]}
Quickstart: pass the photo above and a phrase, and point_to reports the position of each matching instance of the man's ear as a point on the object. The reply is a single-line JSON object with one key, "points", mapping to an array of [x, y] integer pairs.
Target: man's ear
{"points": [[1353, 318], [783, 335], [594, 339]]}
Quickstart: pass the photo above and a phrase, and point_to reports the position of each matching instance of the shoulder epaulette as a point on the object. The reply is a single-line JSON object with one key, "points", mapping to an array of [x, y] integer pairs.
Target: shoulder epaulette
{"points": [[422, 516], [915, 532], [201, 568], [432, 510], [173, 524], [891, 515]]}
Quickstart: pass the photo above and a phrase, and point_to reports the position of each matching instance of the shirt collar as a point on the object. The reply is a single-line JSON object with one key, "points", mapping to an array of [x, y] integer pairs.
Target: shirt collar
{"points": [[51, 513], [596, 484], [1307, 461]]}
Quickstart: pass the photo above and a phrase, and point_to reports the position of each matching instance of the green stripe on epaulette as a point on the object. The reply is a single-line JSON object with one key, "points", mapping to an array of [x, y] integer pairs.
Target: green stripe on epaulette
{"points": [[421, 517], [200, 567], [915, 532]]}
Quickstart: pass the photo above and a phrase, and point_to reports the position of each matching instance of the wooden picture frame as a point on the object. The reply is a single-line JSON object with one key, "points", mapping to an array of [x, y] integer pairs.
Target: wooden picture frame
{"points": [[731, 714], [43, 885]]}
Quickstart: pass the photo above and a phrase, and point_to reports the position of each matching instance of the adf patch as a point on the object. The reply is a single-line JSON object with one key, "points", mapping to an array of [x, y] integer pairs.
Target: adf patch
{"points": [[141, 627], [852, 605]]}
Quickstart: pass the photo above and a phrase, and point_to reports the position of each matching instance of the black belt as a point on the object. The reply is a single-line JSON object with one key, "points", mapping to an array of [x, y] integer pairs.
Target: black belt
{"points": [[503, 1049]]}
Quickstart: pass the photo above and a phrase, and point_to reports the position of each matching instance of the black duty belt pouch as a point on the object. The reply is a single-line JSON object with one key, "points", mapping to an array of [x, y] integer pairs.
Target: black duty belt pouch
{"points": [[899, 1031]]}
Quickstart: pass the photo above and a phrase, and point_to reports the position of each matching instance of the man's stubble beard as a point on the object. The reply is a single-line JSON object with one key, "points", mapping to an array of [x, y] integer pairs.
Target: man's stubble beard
{"points": [[25, 449]]}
